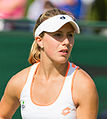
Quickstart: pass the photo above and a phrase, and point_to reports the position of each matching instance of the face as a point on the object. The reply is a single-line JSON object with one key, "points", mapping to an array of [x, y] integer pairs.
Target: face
{"points": [[58, 45]]}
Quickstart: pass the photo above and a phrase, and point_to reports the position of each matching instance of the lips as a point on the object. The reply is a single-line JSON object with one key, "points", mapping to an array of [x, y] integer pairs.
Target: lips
{"points": [[64, 51]]}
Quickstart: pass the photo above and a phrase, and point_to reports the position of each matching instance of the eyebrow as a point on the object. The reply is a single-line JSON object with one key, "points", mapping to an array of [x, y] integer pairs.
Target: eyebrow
{"points": [[61, 31], [72, 31]]}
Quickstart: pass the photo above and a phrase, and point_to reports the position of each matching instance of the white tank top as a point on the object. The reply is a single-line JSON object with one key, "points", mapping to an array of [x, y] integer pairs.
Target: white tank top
{"points": [[62, 108]]}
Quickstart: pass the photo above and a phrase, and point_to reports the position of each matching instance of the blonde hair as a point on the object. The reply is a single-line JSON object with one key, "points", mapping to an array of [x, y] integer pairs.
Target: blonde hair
{"points": [[34, 55]]}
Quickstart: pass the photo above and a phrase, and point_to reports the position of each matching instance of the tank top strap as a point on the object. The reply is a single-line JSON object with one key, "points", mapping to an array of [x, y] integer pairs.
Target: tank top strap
{"points": [[26, 90], [68, 84]]}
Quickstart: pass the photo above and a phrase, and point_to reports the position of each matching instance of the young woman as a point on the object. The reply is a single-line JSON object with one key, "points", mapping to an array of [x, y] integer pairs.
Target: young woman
{"points": [[52, 87]]}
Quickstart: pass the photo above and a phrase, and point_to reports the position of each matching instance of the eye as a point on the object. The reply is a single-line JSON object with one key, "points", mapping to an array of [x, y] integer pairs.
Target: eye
{"points": [[58, 35], [70, 35]]}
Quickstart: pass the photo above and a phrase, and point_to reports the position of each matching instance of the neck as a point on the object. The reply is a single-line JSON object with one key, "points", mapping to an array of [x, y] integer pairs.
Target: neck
{"points": [[50, 70]]}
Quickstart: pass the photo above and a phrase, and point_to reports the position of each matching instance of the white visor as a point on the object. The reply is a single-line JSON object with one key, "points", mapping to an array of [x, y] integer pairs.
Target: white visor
{"points": [[55, 23]]}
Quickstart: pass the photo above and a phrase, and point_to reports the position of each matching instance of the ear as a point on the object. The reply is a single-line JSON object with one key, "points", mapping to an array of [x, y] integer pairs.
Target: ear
{"points": [[39, 41]]}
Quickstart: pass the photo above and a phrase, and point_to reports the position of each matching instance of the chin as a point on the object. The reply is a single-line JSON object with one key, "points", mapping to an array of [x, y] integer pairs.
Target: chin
{"points": [[61, 61]]}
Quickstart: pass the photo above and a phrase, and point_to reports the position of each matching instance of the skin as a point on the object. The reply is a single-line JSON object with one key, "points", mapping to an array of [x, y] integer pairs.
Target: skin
{"points": [[49, 78]]}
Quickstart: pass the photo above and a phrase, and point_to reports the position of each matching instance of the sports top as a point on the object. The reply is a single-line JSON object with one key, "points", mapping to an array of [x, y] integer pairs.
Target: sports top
{"points": [[62, 108]]}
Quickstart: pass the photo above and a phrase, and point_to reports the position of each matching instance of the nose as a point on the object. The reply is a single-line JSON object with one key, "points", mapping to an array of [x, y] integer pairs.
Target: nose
{"points": [[66, 41]]}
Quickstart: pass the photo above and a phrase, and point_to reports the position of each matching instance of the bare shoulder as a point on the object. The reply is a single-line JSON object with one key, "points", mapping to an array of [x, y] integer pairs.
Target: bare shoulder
{"points": [[10, 100], [21, 76], [83, 80], [17, 82], [84, 87]]}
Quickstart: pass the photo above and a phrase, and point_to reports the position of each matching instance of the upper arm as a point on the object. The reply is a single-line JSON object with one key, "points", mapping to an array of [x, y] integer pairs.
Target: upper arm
{"points": [[10, 100], [85, 96]]}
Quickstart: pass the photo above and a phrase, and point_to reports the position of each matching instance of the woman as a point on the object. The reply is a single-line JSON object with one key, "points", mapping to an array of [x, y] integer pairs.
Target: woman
{"points": [[52, 88]]}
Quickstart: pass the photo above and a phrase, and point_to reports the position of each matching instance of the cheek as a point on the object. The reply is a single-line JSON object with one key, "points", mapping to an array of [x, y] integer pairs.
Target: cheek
{"points": [[50, 45], [72, 43]]}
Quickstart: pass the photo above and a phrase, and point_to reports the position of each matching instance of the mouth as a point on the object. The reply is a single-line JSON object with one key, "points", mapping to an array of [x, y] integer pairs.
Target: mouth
{"points": [[64, 51]]}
